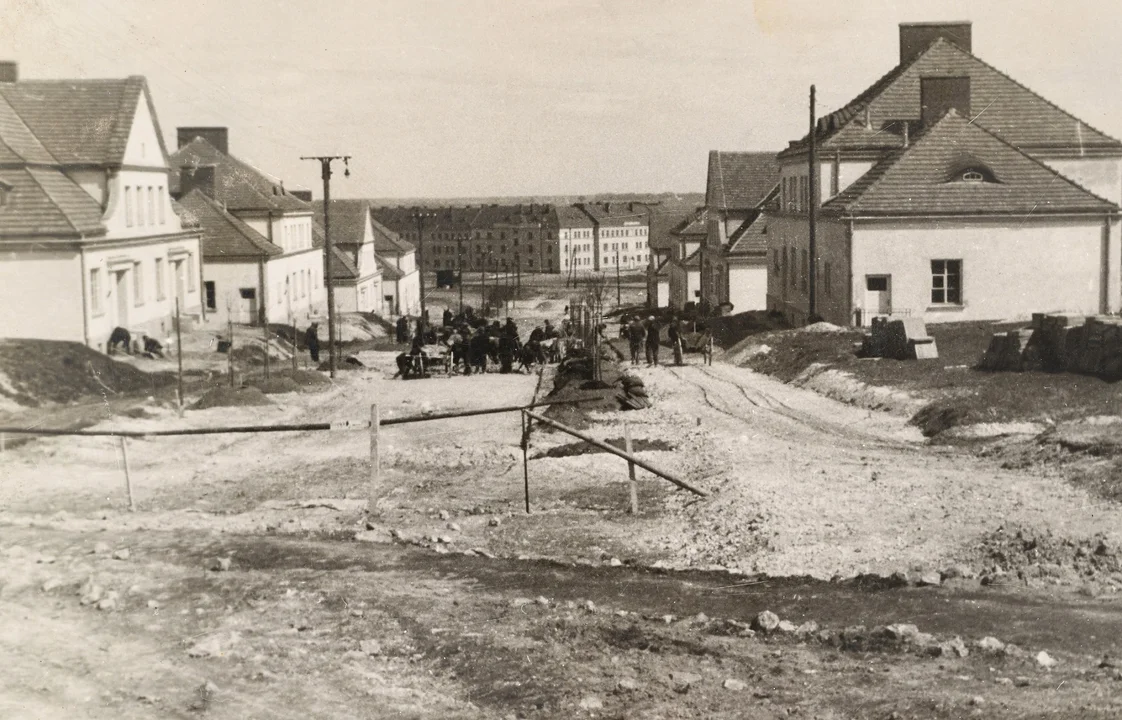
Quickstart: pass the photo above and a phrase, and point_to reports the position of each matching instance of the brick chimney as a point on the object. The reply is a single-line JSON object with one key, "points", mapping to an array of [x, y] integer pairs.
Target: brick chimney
{"points": [[9, 71], [917, 37], [940, 94], [216, 136], [201, 178]]}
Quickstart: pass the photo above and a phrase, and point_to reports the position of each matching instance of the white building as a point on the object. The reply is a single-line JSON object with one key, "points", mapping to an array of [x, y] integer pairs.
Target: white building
{"points": [[355, 271], [284, 287], [948, 191], [89, 238], [401, 281], [575, 239]]}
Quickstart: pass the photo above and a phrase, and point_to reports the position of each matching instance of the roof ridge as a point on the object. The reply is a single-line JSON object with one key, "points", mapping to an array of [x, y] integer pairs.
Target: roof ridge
{"points": [[253, 236]]}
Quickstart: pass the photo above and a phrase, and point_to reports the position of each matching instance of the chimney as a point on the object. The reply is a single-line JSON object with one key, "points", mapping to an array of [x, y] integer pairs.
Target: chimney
{"points": [[201, 178], [940, 94], [9, 71], [305, 195], [216, 136], [917, 37]]}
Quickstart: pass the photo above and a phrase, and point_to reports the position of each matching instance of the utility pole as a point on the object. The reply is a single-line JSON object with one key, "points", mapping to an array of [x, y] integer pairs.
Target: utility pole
{"points": [[325, 167], [419, 216], [460, 267], [812, 212], [619, 302]]}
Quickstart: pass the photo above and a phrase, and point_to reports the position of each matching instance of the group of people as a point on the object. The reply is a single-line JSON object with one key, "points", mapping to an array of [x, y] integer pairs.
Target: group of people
{"points": [[473, 343], [647, 334], [121, 338]]}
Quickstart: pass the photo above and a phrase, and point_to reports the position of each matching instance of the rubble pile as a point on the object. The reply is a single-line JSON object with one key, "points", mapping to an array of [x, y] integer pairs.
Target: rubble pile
{"points": [[905, 339]]}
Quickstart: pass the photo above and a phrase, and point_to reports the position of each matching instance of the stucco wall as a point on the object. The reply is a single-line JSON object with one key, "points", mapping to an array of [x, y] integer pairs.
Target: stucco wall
{"points": [[295, 286], [1010, 269], [41, 295], [789, 233], [1102, 176], [747, 287]]}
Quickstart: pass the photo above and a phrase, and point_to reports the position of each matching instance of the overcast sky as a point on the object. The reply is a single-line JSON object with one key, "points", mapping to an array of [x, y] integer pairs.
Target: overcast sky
{"points": [[523, 97]]}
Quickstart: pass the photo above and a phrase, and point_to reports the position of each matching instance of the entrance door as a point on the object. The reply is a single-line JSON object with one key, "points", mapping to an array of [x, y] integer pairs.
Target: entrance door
{"points": [[122, 290], [248, 309], [878, 295]]}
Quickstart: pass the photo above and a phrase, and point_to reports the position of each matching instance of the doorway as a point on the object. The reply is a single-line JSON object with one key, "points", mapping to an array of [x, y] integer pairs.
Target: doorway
{"points": [[878, 295]]}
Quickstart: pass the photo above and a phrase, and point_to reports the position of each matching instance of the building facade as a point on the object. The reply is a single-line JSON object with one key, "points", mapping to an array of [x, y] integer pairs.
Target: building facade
{"points": [[90, 239]]}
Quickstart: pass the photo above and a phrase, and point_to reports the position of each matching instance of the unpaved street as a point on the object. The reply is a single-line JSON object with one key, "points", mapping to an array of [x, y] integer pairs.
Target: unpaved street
{"points": [[455, 603]]}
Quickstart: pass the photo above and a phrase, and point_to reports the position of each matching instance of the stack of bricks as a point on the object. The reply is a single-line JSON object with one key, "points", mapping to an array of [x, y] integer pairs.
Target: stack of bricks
{"points": [[899, 339], [1061, 342]]}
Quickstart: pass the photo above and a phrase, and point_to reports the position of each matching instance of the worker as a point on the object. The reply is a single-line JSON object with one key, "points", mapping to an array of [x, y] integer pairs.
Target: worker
{"points": [[674, 333], [653, 331], [636, 333]]}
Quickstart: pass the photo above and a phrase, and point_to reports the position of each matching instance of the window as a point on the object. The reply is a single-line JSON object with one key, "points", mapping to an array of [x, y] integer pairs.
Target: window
{"points": [[163, 202], [95, 291], [946, 282], [151, 205], [806, 270], [128, 207], [876, 283], [159, 278], [137, 284], [211, 295], [191, 272]]}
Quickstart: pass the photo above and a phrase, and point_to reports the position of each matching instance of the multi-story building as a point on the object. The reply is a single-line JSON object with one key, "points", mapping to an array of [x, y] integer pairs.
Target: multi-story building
{"points": [[620, 234], [948, 191], [356, 274], [576, 244], [272, 287], [89, 236]]}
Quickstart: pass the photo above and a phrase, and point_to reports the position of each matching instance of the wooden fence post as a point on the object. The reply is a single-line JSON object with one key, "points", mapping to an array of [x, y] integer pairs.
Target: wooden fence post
{"points": [[128, 478], [526, 459], [375, 494], [631, 470]]}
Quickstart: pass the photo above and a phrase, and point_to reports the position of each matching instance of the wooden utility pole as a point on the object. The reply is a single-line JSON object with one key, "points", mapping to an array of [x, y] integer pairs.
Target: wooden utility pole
{"points": [[179, 352], [325, 172], [812, 212], [460, 268], [419, 216], [230, 348]]}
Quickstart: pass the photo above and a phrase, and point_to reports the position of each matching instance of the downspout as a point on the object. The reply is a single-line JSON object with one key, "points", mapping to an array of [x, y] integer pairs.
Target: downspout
{"points": [[849, 270], [263, 312], [1104, 272], [85, 296]]}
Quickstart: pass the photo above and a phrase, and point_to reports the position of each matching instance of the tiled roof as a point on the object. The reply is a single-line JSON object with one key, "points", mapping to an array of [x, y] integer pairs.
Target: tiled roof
{"points": [[740, 180], [997, 102], [389, 270], [387, 242], [237, 185], [695, 224], [79, 121], [225, 236], [348, 220], [926, 179], [615, 214], [18, 144], [750, 239], [43, 201], [571, 217], [343, 266]]}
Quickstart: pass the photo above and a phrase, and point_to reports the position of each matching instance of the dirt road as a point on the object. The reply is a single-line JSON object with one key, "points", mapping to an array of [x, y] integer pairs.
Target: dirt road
{"points": [[306, 622]]}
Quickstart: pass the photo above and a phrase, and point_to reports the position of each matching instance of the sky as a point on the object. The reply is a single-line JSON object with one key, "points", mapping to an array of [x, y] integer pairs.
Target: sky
{"points": [[469, 98]]}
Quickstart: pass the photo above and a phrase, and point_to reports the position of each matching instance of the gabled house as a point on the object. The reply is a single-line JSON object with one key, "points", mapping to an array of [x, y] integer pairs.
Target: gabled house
{"points": [[89, 236], [266, 286], [355, 272], [401, 280], [738, 187], [948, 191], [682, 268]]}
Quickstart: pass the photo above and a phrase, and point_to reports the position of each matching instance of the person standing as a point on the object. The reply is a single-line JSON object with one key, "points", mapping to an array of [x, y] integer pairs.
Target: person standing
{"points": [[402, 328], [674, 333], [653, 331], [311, 341], [446, 318], [635, 336]]}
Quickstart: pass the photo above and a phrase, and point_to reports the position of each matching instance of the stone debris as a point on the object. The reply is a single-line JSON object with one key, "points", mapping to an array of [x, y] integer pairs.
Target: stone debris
{"points": [[221, 564], [90, 593], [52, 584], [807, 629], [370, 647], [685, 678], [990, 645], [1045, 660], [591, 702], [205, 695], [444, 515], [765, 622], [494, 522], [627, 685], [122, 554], [733, 684], [520, 602], [207, 647], [786, 626], [108, 601], [930, 579], [100, 548]]}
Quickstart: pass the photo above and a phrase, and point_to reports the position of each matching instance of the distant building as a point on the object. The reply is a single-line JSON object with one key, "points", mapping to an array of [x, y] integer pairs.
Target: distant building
{"points": [[948, 192], [263, 285], [682, 268], [401, 279], [356, 274], [89, 236], [620, 235], [576, 244]]}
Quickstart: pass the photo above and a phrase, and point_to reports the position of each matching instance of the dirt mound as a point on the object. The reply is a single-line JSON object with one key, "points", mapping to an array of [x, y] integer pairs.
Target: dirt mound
{"points": [[1013, 551], [821, 327], [583, 448], [231, 397], [307, 378], [275, 385], [33, 372]]}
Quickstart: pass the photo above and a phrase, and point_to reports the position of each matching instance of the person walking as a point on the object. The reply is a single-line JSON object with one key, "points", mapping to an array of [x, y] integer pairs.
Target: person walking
{"points": [[311, 341], [635, 336], [653, 331], [674, 334]]}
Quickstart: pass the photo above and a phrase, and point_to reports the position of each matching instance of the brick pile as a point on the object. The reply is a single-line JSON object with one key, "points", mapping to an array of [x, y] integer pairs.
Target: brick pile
{"points": [[1089, 345], [905, 339]]}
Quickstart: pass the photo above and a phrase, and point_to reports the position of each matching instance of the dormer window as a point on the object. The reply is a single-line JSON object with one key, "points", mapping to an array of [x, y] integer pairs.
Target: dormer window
{"points": [[971, 169], [973, 176]]}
